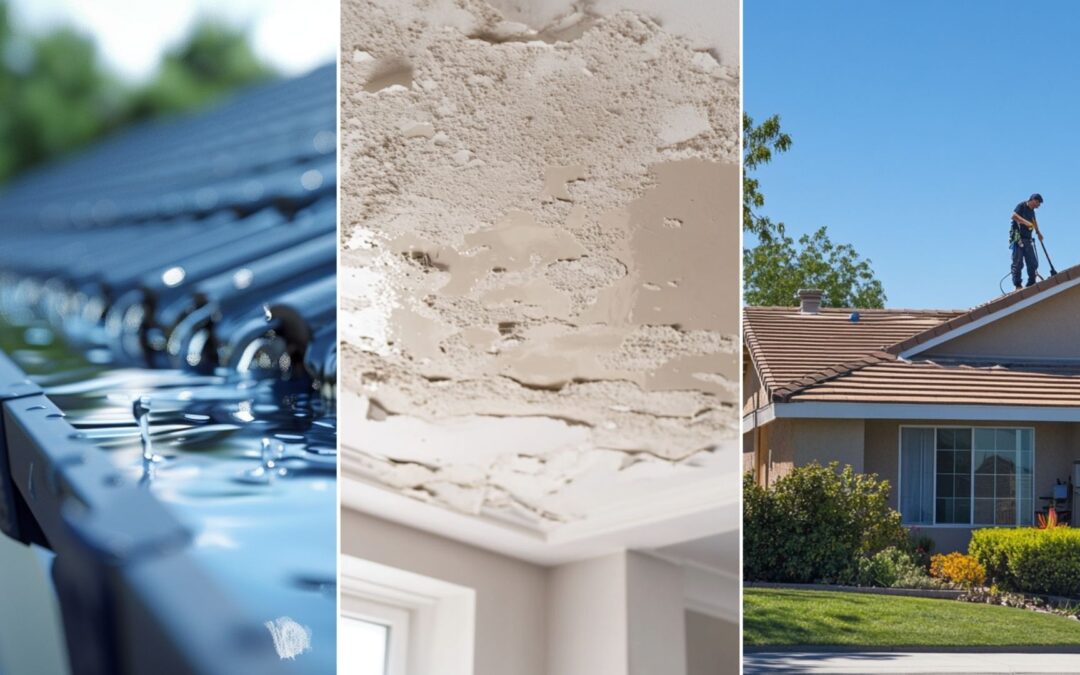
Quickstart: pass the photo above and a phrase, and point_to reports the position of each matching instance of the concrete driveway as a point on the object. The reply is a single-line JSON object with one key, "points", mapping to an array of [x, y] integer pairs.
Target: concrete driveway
{"points": [[908, 662]]}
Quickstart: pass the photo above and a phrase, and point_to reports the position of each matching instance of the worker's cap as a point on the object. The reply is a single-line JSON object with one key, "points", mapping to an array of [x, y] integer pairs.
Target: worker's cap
{"points": [[1037, 197]]}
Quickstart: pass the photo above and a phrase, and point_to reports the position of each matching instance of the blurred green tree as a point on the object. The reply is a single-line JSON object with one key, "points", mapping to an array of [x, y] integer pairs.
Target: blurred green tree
{"points": [[214, 60], [57, 96]]}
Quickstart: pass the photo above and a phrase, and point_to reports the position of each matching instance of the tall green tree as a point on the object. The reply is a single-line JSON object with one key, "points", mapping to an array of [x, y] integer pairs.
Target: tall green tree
{"points": [[777, 265], [759, 144]]}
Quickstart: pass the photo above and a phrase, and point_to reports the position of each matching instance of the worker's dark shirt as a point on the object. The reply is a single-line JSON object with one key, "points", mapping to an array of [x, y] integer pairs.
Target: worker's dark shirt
{"points": [[1026, 212]]}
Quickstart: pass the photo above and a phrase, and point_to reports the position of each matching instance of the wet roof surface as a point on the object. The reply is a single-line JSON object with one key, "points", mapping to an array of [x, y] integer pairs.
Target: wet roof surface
{"points": [[245, 153], [203, 243]]}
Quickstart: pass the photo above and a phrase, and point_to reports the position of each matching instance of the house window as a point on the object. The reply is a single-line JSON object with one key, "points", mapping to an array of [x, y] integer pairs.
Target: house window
{"points": [[966, 476], [953, 477], [1002, 467], [365, 646], [374, 635]]}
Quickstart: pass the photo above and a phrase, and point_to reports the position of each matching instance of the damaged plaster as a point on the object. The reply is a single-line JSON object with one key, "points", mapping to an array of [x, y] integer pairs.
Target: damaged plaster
{"points": [[540, 257]]}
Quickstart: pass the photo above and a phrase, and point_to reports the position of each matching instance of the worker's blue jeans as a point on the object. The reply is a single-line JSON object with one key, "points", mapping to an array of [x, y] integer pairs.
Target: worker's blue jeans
{"points": [[1023, 253]]}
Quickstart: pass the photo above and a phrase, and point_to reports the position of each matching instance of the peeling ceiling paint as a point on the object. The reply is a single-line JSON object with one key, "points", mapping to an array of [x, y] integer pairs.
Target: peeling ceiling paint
{"points": [[540, 258]]}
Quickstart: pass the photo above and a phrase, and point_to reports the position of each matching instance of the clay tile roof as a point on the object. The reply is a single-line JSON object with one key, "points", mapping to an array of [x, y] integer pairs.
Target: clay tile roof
{"points": [[787, 345], [827, 357], [895, 381], [829, 374]]}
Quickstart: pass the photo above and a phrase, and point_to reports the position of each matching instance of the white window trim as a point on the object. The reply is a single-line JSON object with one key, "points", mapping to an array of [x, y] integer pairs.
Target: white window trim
{"points": [[972, 524], [439, 617], [395, 618]]}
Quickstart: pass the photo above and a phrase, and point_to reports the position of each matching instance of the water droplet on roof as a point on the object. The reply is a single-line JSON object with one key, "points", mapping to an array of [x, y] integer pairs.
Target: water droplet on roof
{"points": [[242, 277], [173, 276], [312, 179], [324, 142]]}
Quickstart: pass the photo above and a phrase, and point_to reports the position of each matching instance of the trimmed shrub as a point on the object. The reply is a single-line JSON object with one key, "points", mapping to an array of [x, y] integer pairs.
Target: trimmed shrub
{"points": [[1029, 560], [958, 568], [894, 568], [816, 524]]}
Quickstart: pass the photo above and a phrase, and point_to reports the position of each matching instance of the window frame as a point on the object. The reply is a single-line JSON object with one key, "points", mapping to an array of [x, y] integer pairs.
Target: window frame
{"points": [[972, 427], [436, 619], [394, 618]]}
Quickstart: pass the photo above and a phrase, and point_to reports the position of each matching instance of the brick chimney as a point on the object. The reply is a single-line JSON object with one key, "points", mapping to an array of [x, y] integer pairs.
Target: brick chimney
{"points": [[809, 300]]}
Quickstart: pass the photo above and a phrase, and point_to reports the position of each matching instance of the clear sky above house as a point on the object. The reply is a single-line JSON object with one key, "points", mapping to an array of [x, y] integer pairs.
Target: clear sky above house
{"points": [[293, 36], [917, 128]]}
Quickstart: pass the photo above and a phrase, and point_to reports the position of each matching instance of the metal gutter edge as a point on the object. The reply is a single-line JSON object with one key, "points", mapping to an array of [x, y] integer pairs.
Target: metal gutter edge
{"points": [[759, 417], [924, 411], [133, 599]]}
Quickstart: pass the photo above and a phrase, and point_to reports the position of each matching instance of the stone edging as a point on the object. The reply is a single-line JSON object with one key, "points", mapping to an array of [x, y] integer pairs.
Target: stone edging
{"points": [[919, 649], [936, 594]]}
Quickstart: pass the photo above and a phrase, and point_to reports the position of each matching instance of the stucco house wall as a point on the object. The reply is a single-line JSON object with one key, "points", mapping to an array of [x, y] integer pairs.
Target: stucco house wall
{"points": [[796, 442], [1013, 336], [873, 446], [748, 451]]}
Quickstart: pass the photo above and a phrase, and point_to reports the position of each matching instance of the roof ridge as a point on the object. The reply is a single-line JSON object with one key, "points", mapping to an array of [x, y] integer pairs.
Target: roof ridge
{"points": [[848, 310], [788, 390], [986, 309]]}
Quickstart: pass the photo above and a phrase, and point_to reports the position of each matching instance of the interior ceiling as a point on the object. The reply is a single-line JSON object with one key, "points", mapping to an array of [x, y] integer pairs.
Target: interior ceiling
{"points": [[540, 270]]}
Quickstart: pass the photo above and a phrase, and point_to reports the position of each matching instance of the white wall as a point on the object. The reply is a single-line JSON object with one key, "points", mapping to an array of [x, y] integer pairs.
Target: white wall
{"points": [[656, 616], [712, 645], [587, 617]]}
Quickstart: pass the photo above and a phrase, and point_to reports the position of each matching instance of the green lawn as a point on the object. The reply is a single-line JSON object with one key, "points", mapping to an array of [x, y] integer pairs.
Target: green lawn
{"points": [[800, 617]]}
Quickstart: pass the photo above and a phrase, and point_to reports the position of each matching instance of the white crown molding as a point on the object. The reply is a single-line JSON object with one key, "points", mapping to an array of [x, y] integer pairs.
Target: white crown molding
{"points": [[681, 511]]}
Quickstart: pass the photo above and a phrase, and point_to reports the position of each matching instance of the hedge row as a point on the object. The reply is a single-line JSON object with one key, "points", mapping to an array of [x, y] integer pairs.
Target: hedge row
{"points": [[1030, 560]]}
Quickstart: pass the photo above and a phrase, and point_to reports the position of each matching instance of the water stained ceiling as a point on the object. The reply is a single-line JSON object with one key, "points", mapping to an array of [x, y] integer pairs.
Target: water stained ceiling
{"points": [[540, 261]]}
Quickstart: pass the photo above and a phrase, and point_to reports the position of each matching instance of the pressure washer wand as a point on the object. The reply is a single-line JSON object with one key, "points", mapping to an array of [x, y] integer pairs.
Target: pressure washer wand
{"points": [[1045, 253]]}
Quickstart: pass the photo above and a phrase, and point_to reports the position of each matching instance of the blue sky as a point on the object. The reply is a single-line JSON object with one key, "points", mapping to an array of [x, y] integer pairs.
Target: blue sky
{"points": [[917, 128]]}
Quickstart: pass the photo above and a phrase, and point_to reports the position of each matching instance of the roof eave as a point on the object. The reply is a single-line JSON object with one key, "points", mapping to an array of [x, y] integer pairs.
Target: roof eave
{"points": [[917, 411]]}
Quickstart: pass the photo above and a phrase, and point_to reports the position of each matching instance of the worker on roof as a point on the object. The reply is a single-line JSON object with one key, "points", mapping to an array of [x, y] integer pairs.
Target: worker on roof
{"points": [[1023, 247]]}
